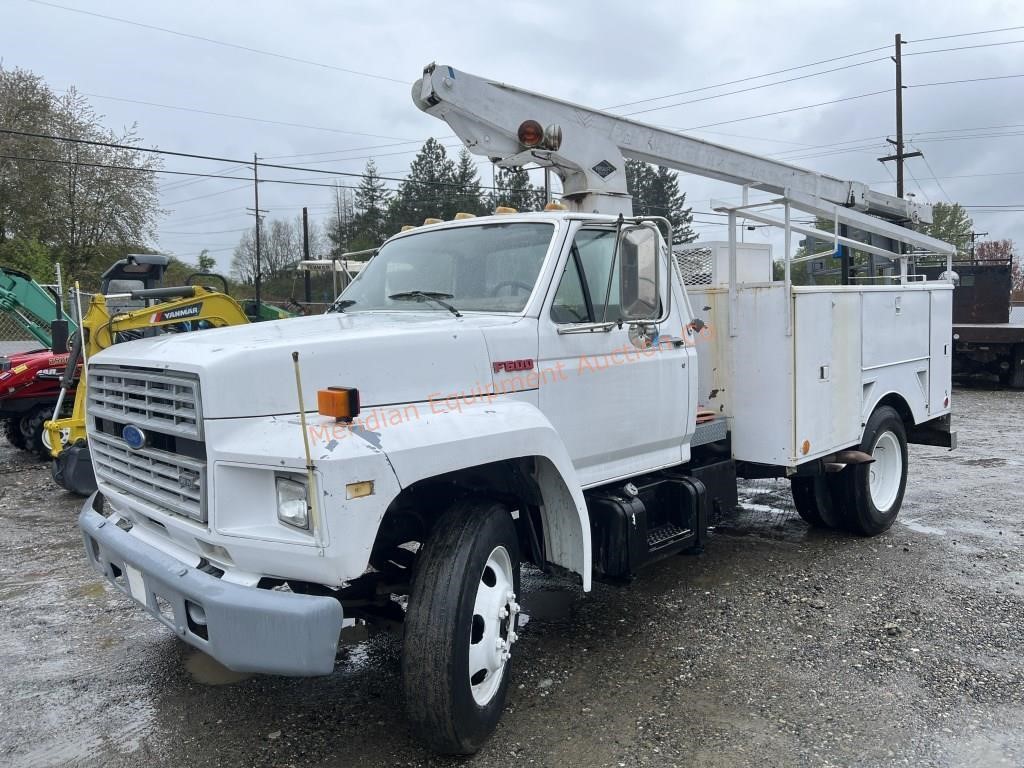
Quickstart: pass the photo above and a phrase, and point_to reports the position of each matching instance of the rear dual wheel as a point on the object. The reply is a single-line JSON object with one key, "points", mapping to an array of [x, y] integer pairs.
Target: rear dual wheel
{"points": [[460, 627], [863, 498]]}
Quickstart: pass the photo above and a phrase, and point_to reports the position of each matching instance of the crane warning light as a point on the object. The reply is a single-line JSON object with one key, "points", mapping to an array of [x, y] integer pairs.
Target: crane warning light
{"points": [[505, 209], [554, 205], [431, 220], [463, 215], [530, 134]]}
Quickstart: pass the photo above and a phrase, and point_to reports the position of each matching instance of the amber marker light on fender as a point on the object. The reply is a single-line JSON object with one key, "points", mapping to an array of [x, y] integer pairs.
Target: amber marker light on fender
{"points": [[359, 490], [341, 403]]}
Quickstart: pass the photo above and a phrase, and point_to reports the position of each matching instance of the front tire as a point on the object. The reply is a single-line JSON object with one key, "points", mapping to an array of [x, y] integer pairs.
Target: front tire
{"points": [[460, 626], [36, 438], [12, 431], [873, 493]]}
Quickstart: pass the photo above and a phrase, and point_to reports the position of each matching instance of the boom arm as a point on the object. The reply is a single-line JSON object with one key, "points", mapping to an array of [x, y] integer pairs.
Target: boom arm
{"points": [[486, 115]]}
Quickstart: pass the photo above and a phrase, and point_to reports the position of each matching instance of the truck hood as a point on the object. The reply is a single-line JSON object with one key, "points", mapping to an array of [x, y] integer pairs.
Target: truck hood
{"points": [[391, 358]]}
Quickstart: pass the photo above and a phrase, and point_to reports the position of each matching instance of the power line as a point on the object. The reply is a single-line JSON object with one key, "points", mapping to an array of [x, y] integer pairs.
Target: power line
{"points": [[205, 234], [190, 155], [934, 176], [964, 47], [352, 149], [294, 182], [211, 194], [223, 43], [754, 87], [746, 79], [965, 34], [784, 111], [968, 80], [846, 98], [231, 116]]}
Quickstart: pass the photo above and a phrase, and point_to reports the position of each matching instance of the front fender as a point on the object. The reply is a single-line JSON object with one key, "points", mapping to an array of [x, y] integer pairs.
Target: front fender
{"points": [[423, 442]]}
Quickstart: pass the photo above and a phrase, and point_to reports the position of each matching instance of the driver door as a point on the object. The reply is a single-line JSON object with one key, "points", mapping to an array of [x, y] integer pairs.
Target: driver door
{"points": [[617, 397]]}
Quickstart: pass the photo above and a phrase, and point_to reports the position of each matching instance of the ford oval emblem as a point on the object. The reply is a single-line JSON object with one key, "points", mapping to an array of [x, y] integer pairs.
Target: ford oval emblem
{"points": [[134, 437]]}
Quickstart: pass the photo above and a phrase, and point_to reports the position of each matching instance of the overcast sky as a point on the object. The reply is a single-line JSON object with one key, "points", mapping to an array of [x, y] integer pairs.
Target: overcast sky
{"points": [[595, 53]]}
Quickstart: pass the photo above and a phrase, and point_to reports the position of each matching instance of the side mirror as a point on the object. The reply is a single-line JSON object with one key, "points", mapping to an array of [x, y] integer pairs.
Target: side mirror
{"points": [[639, 273]]}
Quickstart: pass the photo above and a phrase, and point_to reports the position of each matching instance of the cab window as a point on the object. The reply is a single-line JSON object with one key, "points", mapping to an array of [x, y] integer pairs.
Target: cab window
{"points": [[589, 289]]}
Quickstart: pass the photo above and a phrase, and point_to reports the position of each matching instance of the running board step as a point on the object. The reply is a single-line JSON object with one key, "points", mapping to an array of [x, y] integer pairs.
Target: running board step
{"points": [[666, 535]]}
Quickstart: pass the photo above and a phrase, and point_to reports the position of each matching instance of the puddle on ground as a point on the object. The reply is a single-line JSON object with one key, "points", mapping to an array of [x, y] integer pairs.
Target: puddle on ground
{"points": [[547, 605], [95, 589], [915, 525], [208, 671], [985, 462]]}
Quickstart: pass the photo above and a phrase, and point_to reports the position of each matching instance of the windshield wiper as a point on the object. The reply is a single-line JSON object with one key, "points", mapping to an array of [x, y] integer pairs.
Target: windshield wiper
{"points": [[341, 305], [434, 296]]}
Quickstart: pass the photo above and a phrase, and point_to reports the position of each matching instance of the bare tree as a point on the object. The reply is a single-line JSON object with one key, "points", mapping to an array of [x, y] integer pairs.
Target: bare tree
{"points": [[243, 260], [1000, 251], [75, 198]]}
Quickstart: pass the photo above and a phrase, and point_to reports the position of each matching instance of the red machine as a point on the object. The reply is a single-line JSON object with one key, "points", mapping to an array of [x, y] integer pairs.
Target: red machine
{"points": [[29, 386]]}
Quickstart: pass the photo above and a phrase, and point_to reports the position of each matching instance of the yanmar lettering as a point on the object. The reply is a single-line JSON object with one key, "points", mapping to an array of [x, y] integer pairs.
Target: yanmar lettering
{"points": [[182, 313], [512, 366]]}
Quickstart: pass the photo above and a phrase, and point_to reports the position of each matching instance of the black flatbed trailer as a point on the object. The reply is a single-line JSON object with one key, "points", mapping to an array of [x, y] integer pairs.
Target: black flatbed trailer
{"points": [[987, 346]]}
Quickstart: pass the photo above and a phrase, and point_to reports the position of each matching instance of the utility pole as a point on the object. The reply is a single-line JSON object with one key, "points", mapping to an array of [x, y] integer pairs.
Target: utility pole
{"points": [[976, 236], [900, 155], [258, 213], [307, 284]]}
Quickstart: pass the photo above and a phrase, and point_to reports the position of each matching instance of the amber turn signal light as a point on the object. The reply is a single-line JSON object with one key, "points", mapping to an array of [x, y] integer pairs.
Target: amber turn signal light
{"points": [[341, 403]]}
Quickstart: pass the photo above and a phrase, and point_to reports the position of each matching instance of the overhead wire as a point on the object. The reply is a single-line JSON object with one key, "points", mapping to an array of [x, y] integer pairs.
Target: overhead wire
{"points": [[747, 79], [249, 118], [753, 87], [222, 43], [965, 34]]}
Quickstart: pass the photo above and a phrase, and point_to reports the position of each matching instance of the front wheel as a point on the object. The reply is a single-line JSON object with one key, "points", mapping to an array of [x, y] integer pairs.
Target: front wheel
{"points": [[873, 492], [36, 438], [12, 431], [460, 627]]}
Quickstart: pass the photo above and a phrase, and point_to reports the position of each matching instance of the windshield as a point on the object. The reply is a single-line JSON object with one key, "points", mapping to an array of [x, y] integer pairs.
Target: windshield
{"points": [[484, 268]]}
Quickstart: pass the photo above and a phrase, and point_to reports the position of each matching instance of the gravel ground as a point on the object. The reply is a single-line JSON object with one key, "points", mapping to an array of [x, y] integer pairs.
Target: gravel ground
{"points": [[780, 646]]}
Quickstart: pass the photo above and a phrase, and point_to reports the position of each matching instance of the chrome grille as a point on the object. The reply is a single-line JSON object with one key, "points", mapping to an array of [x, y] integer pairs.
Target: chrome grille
{"points": [[157, 400], [166, 481]]}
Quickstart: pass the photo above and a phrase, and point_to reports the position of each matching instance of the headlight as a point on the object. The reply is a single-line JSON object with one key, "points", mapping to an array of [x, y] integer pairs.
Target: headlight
{"points": [[292, 504]]}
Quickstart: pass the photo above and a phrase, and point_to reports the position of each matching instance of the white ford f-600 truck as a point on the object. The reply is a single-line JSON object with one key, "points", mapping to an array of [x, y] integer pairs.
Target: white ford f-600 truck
{"points": [[506, 389]]}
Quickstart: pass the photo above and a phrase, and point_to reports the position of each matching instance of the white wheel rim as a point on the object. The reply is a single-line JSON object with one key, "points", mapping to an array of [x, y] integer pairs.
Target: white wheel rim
{"points": [[493, 628], [886, 471]]}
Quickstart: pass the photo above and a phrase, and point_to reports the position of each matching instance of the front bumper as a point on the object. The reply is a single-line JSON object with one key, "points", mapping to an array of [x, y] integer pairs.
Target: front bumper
{"points": [[246, 629]]}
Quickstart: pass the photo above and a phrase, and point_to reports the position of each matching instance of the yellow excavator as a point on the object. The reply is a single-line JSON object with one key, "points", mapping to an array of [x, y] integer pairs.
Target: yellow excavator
{"points": [[180, 309]]}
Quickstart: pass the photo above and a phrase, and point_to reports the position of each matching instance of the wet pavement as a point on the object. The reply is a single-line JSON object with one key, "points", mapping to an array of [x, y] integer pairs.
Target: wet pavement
{"points": [[779, 646]]}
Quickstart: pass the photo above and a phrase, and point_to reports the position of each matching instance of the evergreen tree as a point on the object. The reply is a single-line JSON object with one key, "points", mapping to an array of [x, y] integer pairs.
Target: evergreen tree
{"points": [[426, 191], [370, 208], [656, 192], [466, 196], [513, 189]]}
